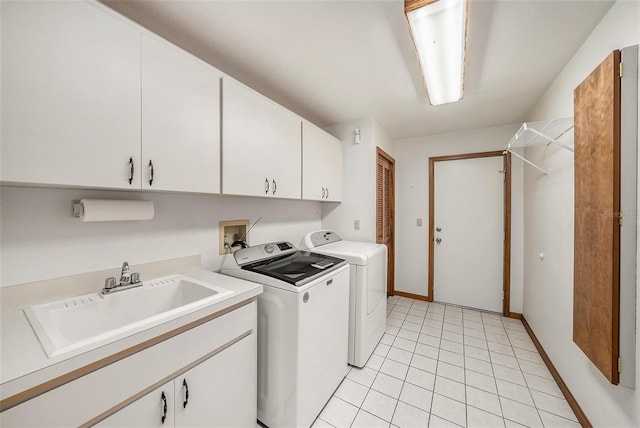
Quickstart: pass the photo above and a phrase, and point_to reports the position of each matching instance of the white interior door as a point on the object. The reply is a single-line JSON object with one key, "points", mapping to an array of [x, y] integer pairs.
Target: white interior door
{"points": [[469, 232]]}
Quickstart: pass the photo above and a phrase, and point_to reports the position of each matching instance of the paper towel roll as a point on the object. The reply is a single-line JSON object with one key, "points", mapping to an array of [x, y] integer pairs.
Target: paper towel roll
{"points": [[113, 210]]}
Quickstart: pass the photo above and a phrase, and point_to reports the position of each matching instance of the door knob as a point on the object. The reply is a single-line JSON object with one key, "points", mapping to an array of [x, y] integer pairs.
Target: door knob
{"points": [[438, 240]]}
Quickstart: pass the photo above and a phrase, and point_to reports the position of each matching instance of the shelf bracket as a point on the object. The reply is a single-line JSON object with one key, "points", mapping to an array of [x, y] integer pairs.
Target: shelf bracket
{"points": [[527, 161], [553, 140]]}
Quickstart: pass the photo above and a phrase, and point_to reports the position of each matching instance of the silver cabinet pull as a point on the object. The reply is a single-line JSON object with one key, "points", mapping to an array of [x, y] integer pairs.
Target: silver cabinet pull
{"points": [[150, 172], [327, 193], [275, 186], [266, 186], [323, 191], [131, 170]]}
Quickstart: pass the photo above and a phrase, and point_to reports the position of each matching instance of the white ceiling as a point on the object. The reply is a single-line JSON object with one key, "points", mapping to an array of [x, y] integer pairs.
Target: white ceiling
{"points": [[336, 61]]}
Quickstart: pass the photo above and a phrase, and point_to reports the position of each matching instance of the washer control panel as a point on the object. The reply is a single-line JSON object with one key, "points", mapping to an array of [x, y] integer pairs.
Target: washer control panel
{"points": [[260, 252]]}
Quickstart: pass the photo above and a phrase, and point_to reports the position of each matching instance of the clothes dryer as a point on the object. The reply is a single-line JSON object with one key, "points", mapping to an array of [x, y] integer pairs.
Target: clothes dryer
{"points": [[367, 291]]}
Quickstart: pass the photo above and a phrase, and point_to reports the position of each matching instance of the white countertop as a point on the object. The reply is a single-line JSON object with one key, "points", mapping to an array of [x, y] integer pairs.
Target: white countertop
{"points": [[24, 363]]}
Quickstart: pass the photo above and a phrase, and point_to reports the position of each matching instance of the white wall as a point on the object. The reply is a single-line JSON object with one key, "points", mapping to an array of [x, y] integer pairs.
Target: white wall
{"points": [[412, 202], [358, 180], [40, 239], [548, 285]]}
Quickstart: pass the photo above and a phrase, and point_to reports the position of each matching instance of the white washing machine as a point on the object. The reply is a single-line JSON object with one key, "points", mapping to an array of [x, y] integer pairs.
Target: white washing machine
{"points": [[303, 319], [368, 289]]}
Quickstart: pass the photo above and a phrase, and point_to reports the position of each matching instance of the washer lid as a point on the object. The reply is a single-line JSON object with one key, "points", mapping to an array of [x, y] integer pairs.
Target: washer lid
{"points": [[297, 268]]}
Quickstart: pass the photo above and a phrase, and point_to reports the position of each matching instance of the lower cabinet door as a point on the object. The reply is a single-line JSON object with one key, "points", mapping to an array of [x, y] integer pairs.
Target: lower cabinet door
{"points": [[155, 409], [220, 391]]}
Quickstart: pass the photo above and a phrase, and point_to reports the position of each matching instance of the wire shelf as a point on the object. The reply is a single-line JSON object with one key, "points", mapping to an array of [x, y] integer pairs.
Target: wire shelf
{"points": [[543, 132], [539, 133]]}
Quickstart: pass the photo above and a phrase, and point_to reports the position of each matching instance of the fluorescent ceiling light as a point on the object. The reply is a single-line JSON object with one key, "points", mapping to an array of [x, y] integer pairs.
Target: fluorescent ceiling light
{"points": [[438, 29]]}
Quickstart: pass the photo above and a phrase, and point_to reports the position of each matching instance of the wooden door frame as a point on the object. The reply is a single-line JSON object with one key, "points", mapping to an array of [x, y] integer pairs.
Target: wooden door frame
{"points": [[391, 253], [506, 260]]}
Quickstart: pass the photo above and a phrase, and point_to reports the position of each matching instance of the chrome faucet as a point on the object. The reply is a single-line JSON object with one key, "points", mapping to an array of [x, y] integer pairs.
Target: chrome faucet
{"points": [[127, 280]]}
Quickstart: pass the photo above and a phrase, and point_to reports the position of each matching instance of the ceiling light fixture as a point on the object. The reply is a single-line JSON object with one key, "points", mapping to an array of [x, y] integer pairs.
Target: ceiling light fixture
{"points": [[439, 29]]}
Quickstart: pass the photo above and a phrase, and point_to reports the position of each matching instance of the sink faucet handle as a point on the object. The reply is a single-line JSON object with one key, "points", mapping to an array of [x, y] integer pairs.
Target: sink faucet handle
{"points": [[135, 278], [125, 268], [109, 283]]}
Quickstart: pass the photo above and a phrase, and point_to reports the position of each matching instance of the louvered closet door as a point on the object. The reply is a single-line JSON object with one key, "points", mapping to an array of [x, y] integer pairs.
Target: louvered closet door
{"points": [[385, 176]]}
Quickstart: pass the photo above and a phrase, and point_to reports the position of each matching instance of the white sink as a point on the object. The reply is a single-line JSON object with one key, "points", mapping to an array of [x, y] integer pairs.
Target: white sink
{"points": [[92, 320]]}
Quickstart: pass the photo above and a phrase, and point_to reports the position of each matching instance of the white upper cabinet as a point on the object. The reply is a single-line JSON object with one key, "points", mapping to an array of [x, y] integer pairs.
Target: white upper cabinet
{"points": [[261, 145], [321, 164], [70, 95], [180, 120]]}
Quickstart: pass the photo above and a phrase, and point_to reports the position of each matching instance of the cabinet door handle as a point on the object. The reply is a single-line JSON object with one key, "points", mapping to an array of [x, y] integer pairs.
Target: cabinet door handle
{"points": [[150, 172], [323, 193], [275, 186], [327, 197], [185, 386], [164, 408], [266, 186], [130, 170]]}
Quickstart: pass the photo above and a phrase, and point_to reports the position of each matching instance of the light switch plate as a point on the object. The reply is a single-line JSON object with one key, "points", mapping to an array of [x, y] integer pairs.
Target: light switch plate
{"points": [[356, 224]]}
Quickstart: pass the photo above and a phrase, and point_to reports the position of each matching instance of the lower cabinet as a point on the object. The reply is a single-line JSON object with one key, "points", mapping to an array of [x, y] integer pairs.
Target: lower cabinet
{"points": [[151, 410], [205, 377], [209, 394]]}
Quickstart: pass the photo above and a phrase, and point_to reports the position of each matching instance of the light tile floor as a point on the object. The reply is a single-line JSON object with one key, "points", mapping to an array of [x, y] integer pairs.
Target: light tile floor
{"points": [[444, 366]]}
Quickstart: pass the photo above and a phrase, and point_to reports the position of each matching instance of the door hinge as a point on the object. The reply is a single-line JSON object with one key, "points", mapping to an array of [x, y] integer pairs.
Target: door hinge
{"points": [[621, 69], [619, 364]]}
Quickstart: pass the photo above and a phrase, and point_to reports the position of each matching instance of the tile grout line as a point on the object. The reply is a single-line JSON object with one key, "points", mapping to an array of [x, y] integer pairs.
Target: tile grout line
{"points": [[447, 317]]}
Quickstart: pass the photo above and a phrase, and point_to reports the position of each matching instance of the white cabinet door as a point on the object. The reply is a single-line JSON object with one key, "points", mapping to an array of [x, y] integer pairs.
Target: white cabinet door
{"points": [[261, 145], [180, 120], [155, 409], [70, 95], [321, 164], [221, 390]]}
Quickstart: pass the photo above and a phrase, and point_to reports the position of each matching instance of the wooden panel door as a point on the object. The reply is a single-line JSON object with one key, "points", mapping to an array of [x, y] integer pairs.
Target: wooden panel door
{"points": [[596, 300], [385, 211]]}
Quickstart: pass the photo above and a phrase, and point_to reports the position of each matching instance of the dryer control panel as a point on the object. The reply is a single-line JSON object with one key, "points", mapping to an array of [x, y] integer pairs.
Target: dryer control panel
{"points": [[322, 237]]}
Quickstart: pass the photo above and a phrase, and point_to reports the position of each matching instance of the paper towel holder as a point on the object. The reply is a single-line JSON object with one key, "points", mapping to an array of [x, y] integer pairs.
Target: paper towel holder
{"points": [[77, 208], [111, 210]]}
